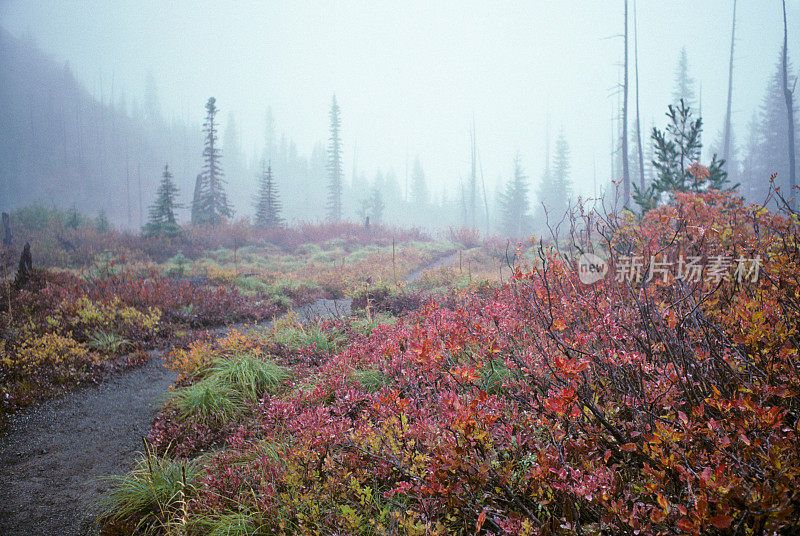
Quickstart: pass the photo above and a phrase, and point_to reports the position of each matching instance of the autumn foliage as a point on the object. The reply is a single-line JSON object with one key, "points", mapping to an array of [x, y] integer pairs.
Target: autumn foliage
{"points": [[544, 406]]}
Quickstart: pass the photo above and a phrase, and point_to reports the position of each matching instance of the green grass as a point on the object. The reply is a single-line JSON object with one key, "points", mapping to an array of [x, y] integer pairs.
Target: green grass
{"points": [[153, 493], [209, 401], [372, 380], [249, 376], [494, 374], [229, 524], [294, 337], [108, 342]]}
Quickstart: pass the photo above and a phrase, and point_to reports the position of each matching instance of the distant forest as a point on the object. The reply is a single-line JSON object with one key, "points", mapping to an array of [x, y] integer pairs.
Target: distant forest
{"points": [[61, 146]]}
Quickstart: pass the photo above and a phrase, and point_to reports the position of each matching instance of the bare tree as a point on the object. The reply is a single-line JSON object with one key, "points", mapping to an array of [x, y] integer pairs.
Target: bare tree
{"points": [[638, 122], [787, 95], [473, 178], [726, 134], [626, 178]]}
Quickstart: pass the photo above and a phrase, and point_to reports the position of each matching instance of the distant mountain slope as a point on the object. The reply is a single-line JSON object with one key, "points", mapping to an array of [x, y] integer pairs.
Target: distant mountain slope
{"points": [[59, 145]]}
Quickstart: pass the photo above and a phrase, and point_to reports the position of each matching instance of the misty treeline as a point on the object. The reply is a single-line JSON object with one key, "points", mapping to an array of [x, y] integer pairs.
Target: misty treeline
{"points": [[114, 157]]}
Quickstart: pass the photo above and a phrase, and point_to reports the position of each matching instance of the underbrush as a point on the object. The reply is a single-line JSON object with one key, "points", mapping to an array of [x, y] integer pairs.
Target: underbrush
{"points": [[648, 404], [60, 331]]}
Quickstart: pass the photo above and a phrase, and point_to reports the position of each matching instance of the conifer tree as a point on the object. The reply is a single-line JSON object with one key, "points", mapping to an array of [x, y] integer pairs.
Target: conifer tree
{"points": [[556, 186], [514, 202], [376, 204], [684, 84], [767, 148], [268, 203], [419, 187], [335, 173], [101, 222], [213, 202], [162, 211], [677, 151], [197, 199]]}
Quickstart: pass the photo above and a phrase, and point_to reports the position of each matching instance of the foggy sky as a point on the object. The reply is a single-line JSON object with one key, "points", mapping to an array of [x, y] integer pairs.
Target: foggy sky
{"points": [[409, 76]]}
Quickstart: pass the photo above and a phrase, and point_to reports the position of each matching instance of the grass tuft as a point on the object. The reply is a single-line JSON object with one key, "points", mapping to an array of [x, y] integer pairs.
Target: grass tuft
{"points": [[372, 380], [151, 495], [209, 401], [250, 376]]}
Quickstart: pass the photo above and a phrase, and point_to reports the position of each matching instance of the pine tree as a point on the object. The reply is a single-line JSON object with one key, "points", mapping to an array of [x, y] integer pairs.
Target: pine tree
{"points": [[419, 187], [514, 202], [376, 204], [677, 151], [73, 218], [101, 222], [268, 204], [335, 173], [162, 211], [213, 202], [197, 200], [771, 153], [684, 84], [754, 185], [555, 188]]}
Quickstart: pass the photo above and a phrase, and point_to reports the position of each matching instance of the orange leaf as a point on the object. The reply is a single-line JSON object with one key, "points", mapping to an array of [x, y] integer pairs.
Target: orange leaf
{"points": [[663, 503], [628, 447], [481, 519]]}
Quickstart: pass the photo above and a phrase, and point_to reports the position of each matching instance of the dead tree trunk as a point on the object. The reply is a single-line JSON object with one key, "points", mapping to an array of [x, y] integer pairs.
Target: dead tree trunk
{"points": [[7, 236], [626, 177], [638, 121], [787, 95], [726, 136]]}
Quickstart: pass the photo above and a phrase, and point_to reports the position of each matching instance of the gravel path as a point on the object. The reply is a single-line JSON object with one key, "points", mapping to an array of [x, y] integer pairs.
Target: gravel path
{"points": [[54, 457]]}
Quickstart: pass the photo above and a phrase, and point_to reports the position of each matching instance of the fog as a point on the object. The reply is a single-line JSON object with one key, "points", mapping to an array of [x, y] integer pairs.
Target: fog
{"points": [[410, 77]]}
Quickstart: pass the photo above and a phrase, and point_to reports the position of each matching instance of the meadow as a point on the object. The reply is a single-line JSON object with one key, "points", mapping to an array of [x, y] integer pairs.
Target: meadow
{"points": [[99, 300], [539, 405], [486, 398]]}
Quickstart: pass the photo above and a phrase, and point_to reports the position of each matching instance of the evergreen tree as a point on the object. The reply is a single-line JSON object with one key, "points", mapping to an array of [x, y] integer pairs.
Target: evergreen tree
{"points": [[197, 200], [684, 84], [677, 151], [362, 210], [74, 218], [162, 211], [419, 187], [335, 173], [555, 188], [101, 222], [376, 203], [754, 186], [268, 204], [514, 202], [235, 164], [213, 205], [768, 154]]}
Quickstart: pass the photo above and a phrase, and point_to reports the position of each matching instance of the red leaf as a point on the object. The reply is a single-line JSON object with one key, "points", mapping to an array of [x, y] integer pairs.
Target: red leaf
{"points": [[686, 525], [722, 521]]}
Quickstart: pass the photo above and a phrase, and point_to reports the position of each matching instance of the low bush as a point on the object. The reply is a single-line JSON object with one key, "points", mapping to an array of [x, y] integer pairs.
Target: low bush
{"points": [[646, 402]]}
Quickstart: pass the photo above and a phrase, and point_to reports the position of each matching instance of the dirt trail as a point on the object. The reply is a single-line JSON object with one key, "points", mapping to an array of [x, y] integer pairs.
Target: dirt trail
{"points": [[54, 457]]}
